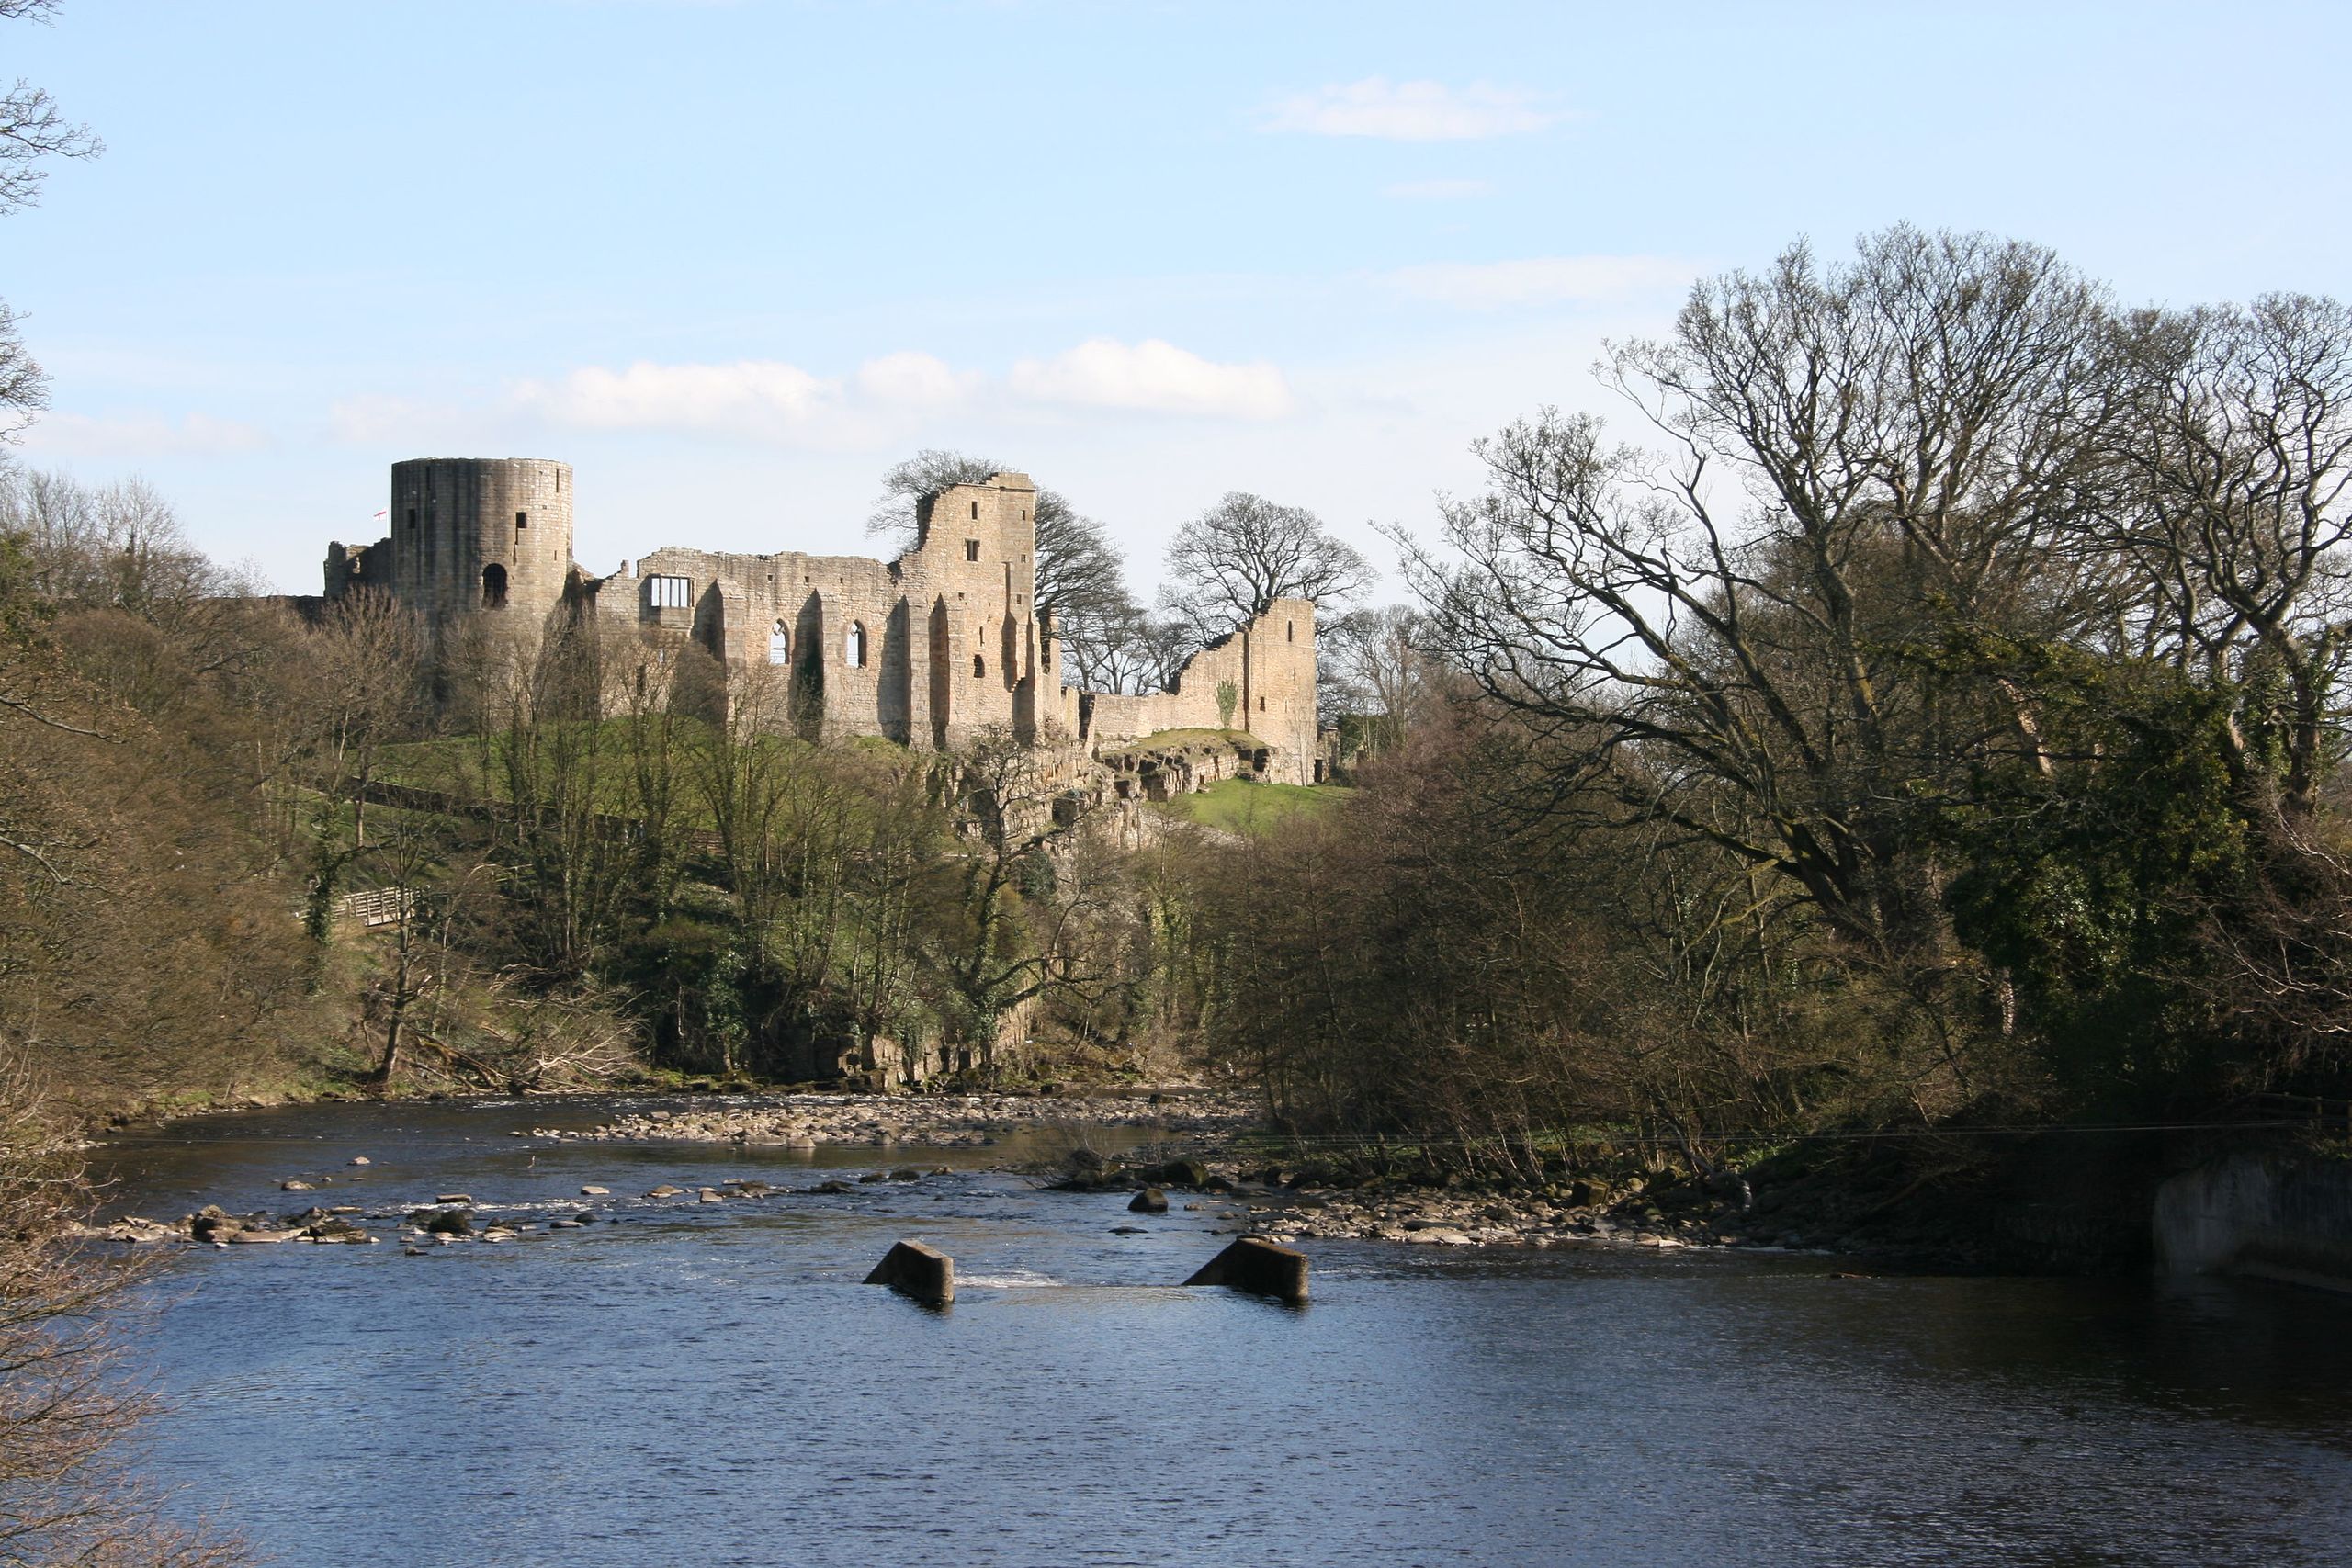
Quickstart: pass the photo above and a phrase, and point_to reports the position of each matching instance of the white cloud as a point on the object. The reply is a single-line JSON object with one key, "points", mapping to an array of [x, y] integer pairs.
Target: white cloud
{"points": [[1154, 375], [912, 379], [1411, 111], [1440, 190], [752, 397], [1543, 280], [140, 436]]}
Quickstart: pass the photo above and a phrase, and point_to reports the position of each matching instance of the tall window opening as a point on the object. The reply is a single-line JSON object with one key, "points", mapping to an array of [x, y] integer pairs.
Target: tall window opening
{"points": [[411, 519], [493, 587], [979, 666], [1290, 631], [854, 645], [779, 645], [971, 549], [667, 593], [522, 520], [976, 511]]}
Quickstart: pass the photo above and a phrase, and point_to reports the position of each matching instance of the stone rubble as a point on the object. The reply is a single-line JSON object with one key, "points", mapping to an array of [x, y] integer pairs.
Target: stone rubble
{"points": [[946, 1121]]}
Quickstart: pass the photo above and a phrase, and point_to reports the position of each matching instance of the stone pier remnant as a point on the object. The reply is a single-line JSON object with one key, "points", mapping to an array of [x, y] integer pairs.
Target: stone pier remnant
{"points": [[925, 1273], [1257, 1265]]}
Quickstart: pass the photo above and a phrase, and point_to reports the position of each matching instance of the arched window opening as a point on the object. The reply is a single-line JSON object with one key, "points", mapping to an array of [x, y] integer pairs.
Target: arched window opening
{"points": [[493, 587], [979, 666], [853, 647], [779, 645]]}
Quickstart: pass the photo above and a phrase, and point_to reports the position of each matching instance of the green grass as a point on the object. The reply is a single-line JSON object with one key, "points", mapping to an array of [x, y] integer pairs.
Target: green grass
{"points": [[1237, 805]]}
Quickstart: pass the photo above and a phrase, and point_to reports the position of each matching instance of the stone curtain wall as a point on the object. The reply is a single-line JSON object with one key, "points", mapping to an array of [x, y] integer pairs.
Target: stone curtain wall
{"points": [[1269, 664], [950, 641]]}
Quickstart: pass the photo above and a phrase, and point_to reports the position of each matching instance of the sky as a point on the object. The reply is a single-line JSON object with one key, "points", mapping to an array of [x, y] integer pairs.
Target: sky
{"points": [[731, 261]]}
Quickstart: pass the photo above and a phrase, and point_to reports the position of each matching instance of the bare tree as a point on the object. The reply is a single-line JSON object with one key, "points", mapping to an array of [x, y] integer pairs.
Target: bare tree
{"points": [[1126, 651], [1080, 578], [1233, 560], [31, 129], [66, 1411], [1911, 434], [2231, 505], [1369, 663], [367, 667]]}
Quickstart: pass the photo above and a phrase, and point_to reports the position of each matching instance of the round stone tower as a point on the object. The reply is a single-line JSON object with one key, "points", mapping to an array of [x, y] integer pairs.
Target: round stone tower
{"points": [[480, 536]]}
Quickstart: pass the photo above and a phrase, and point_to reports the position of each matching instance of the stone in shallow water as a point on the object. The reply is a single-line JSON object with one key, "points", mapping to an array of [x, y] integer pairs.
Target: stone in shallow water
{"points": [[592, 1191], [914, 1270], [1259, 1267]]}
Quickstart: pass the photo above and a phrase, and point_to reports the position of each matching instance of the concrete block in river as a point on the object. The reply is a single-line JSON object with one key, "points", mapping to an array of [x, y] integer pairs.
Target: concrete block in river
{"points": [[1259, 1267], [914, 1270]]}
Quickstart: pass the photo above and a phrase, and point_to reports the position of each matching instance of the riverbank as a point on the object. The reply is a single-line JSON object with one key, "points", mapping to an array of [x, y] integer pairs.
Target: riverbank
{"points": [[1209, 1153], [940, 1121]]}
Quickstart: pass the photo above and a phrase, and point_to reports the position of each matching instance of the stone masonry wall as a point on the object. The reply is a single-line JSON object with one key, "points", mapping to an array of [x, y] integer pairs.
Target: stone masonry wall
{"points": [[479, 535], [929, 649], [1270, 668]]}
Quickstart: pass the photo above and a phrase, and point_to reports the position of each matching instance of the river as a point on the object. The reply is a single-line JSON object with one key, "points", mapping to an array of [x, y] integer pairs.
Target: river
{"points": [[709, 1383]]}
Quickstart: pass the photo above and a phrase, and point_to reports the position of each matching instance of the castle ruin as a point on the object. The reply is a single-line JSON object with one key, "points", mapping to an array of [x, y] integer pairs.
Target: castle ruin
{"points": [[930, 649]]}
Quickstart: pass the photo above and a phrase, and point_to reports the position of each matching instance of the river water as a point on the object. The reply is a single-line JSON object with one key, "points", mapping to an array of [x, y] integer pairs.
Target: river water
{"points": [[706, 1384]]}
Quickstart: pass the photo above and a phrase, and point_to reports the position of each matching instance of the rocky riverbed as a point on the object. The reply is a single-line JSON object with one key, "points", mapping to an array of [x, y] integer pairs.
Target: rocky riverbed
{"points": [[1092, 1142], [1286, 1207], [946, 1121]]}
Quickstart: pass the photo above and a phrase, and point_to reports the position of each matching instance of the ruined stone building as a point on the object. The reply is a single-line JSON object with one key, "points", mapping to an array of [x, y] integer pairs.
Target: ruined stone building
{"points": [[929, 649]]}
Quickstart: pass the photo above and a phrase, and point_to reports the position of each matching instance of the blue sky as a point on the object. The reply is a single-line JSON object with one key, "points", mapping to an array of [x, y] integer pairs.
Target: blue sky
{"points": [[732, 260]]}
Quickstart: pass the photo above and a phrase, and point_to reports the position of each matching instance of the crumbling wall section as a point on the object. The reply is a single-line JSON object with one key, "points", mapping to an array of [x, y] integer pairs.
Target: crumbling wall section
{"points": [[1259, 679]]}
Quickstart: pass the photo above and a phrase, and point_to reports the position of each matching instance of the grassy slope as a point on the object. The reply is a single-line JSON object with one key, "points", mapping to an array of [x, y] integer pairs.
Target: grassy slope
{"points": [[1239, 807]]}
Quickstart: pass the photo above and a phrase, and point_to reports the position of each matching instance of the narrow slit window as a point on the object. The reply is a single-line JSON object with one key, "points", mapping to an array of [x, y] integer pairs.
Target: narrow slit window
{"points": [[411, 519], [979, 666], [1290, 631], [975, 511], [1261, 705], [854, 645]]}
